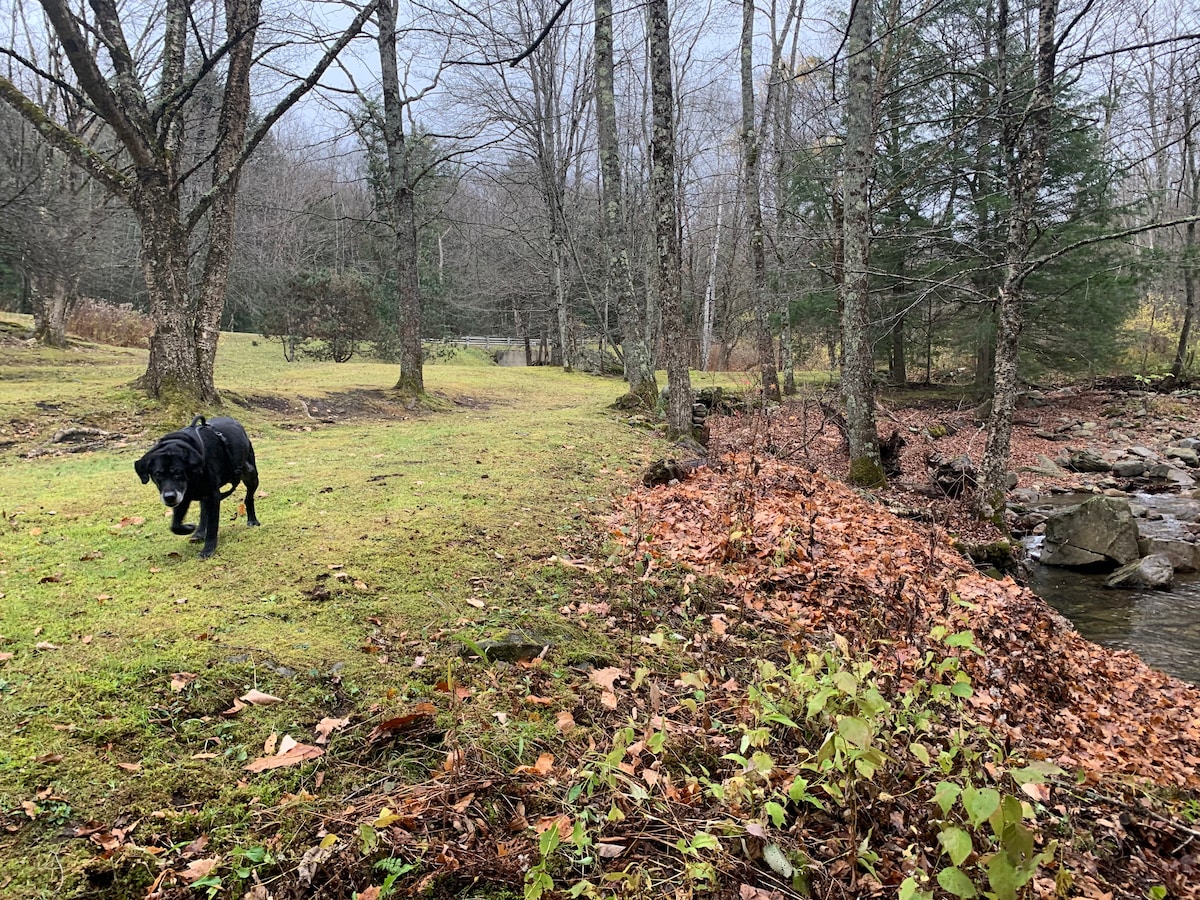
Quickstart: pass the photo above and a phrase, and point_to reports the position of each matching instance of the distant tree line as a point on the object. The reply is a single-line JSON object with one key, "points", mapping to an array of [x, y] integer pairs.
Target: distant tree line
{"points": [[997, 186]]}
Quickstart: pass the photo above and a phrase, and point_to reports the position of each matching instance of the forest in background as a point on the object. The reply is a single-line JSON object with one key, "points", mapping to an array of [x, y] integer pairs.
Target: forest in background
{"points": [[992, 188]]}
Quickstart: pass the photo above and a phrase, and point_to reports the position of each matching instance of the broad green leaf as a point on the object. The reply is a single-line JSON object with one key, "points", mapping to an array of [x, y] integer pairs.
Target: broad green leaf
{"points": [[920, 752], [816, 703], [957, 844], [945, 794], [1002, 876], [956, 882], [980, 804], [845, 682], [856, 731], [910, 891], [776, 813], [705, 841]]}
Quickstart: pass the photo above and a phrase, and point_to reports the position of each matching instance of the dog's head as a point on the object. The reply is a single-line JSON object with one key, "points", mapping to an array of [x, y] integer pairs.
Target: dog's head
{"points": [[170, 465]]}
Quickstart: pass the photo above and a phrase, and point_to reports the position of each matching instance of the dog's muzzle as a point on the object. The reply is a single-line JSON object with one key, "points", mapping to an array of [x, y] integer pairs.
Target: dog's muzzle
{"points": [[171, 498]]}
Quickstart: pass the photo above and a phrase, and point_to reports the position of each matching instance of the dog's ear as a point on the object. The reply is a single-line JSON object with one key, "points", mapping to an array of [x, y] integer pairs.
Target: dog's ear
{"points": [[143, 468]]}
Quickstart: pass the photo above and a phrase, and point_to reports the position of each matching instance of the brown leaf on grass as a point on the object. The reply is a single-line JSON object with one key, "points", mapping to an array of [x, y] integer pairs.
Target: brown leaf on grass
{"points": [[108, 841], [562, 822], [293, 755], [5, 657], [421, 714], [48, 758], [371, 893], [45, 645], [180, 680], [543, 766], [609, 851], [271, 744], [30, 808], [199, 868], [327, 726], [258, 698], [534, 700], [564, 721], [130, 767], [605, 678], [237, 707], [195, 847], [608, 700]]}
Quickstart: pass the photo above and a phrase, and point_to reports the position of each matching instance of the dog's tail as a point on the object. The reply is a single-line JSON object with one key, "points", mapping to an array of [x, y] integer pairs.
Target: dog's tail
{"points": [[199, 420]]}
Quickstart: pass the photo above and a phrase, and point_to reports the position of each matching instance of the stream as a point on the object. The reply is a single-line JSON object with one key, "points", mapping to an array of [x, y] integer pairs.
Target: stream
{"points": [[1162, 627]]}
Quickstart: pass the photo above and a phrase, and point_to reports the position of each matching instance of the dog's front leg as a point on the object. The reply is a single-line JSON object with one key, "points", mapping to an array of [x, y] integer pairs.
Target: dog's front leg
{"points": [[178, 526], [210, 519]]}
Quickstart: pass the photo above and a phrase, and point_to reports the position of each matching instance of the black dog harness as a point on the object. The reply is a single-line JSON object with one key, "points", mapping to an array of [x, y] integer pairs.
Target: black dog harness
{"points": [[236, 471]]}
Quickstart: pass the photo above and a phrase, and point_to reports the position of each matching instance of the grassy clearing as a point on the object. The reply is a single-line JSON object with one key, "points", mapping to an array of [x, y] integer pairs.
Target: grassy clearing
{"points": [[384, 536]]}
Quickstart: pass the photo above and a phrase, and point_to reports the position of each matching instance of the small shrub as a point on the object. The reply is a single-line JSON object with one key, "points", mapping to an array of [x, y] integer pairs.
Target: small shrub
{"points": [[118, 325]]}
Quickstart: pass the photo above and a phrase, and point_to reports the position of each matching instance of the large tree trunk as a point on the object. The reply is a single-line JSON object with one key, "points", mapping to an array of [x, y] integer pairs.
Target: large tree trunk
{"points": [[173, 370], [752, 185], [1029, 135], [639, 367], [666, 218], [858, 376], [241, 20], [51, 294], [402, 209]]}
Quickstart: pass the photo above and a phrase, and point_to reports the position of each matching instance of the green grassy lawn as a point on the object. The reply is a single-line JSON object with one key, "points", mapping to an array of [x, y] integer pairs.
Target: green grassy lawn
{"points": [[384, 535]]}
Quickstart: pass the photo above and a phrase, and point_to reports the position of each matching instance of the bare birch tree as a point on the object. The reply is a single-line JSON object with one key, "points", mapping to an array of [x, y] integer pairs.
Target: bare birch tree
{"points": [[752, 188]]}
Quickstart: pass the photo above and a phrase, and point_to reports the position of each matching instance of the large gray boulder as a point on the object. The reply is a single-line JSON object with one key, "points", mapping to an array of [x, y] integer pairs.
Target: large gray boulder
{"points": [[1148, 572], [1083, 461], [1183, 555], [1099, 531]]}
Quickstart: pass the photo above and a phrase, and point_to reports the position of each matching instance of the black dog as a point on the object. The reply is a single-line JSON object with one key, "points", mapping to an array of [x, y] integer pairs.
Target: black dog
{"points": [[192, 464]]}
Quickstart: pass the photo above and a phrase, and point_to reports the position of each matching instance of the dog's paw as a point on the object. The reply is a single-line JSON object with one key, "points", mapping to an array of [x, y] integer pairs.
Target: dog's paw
{"points": [[197, 537], [206, 552], [187, 528], [253, 522]]}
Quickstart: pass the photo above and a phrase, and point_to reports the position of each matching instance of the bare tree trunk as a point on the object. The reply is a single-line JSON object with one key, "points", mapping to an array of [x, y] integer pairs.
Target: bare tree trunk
{"points": [[402, 209], [710, 292], [51, 295], [1028, 132], [666, 218], [858, 376], [639, 369], [560, 302], [1192, 176], [752, 178]]}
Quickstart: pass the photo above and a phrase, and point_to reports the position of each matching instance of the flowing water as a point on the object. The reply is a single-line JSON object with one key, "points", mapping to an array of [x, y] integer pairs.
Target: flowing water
{"points": [[1163, 627]]}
